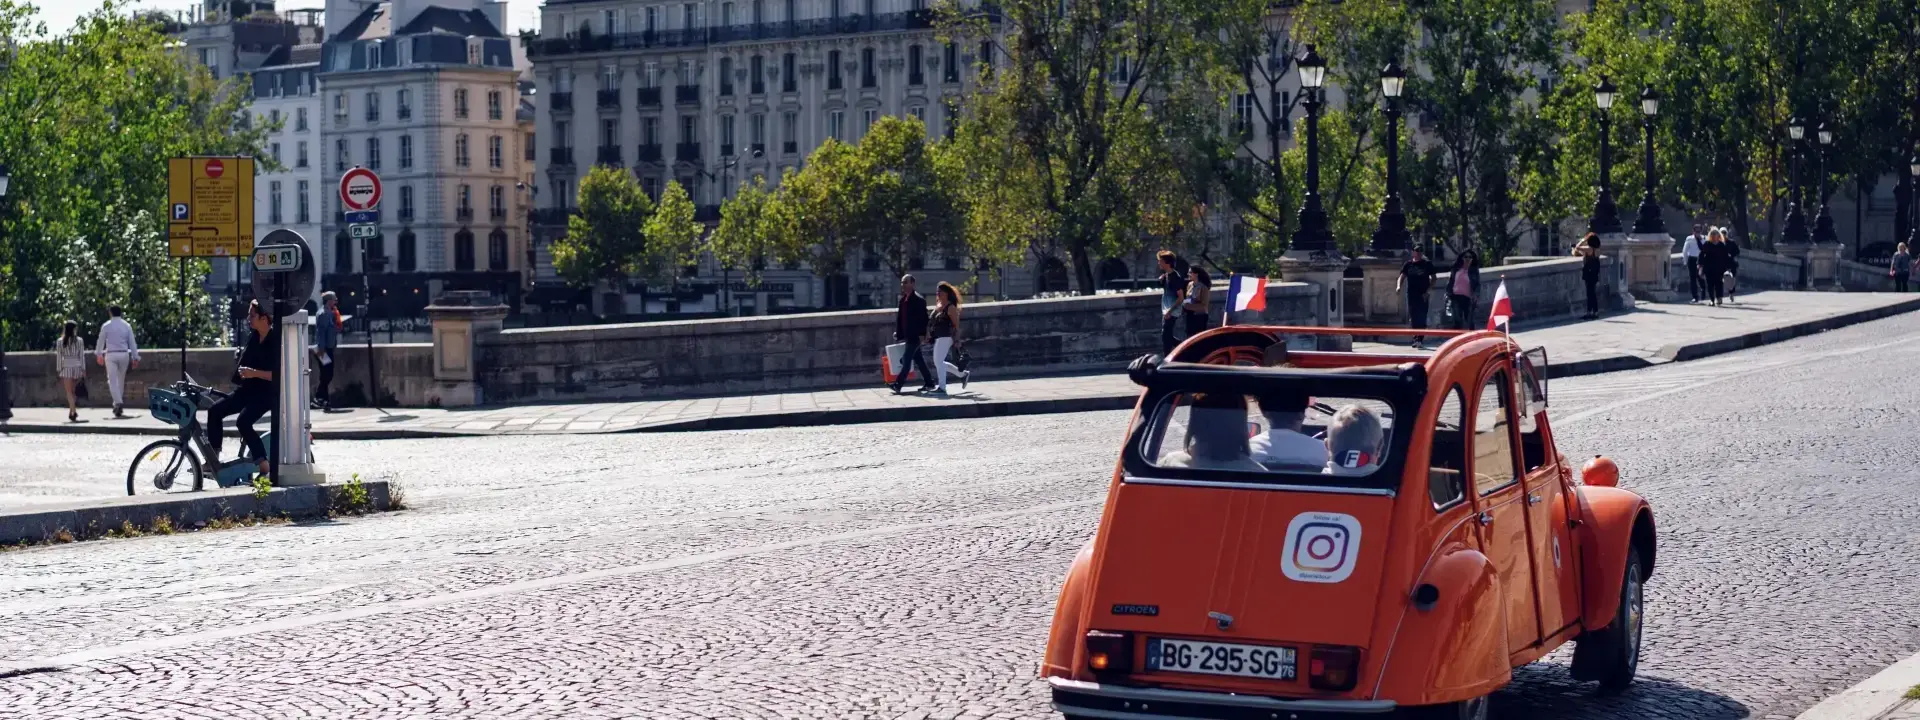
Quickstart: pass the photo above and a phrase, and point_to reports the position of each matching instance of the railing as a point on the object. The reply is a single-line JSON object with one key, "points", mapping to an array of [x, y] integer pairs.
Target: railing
{"points": [[757, 149], [696, 37], [560, 156], [373, 116], [404, 112], [464, 214], [560, 101], [706, 213], [551, 216], [687, 152], [608, 155], [649, 97], [609, 99], [726, 150], [496, 213], [686, 94], [648, 153]]}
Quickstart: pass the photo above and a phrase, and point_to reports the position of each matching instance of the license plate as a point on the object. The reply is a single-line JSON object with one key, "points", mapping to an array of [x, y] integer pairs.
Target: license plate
{"points": [[1188, 656]]}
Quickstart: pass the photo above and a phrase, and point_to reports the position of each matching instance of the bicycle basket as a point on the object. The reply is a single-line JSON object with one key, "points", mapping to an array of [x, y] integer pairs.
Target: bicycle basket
{"points": [[169, 406]]}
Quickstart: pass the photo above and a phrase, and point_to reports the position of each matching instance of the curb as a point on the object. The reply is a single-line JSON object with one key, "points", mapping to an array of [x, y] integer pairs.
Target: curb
{"points": [[84, 520], [1871, 698], [814, 418], [1682, 352], [361, 434]]}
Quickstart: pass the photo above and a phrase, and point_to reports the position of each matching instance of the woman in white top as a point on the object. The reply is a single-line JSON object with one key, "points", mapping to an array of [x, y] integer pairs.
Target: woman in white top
{"points": [[71, 354]]}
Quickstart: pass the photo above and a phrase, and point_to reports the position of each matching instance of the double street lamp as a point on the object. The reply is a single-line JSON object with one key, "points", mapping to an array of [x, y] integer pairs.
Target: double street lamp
{"points": [[1796, 230], [1606, 215], [1390, 238], [1823, 223], [1314, 236], [1649, 222]]}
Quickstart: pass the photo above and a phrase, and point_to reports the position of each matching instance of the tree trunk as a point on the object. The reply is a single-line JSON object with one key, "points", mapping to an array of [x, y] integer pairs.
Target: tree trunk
{"points": [[1079, 253]]}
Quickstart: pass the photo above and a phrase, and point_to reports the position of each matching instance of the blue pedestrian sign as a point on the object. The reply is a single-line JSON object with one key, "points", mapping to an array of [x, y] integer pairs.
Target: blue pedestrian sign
{"points": [[363, 217], [180, 213]]}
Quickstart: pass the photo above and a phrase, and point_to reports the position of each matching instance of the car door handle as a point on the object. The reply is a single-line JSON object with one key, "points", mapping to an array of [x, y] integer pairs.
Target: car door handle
{"points": [[1486, 518], [1533, 499]]}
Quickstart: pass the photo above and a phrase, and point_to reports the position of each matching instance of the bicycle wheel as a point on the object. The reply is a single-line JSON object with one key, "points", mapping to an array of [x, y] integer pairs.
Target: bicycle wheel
{"points": [[164, 466]]}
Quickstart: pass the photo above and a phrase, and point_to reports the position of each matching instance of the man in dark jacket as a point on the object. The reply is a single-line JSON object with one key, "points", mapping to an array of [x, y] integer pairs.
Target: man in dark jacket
{"points": [[910, 327]]}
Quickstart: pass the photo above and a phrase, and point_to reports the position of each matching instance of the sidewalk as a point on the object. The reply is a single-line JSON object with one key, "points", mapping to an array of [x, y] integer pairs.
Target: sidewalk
{"points": [[1648, 335], [1885, 696]]}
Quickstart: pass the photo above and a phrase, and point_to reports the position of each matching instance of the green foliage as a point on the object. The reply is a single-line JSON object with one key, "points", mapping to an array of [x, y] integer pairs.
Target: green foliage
{"points": [[607, 236], [262, 486], [88, 121], [810, 217], [673, 238], [740, 239], [884, 195]]}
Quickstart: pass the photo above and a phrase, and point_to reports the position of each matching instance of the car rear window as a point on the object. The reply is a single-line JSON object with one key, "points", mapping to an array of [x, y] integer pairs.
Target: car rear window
{"points": [[1336, 436]]}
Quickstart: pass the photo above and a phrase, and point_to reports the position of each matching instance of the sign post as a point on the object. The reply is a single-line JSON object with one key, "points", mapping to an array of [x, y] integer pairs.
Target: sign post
{"points": [[209, 214], [284, 271], [360, 193]]}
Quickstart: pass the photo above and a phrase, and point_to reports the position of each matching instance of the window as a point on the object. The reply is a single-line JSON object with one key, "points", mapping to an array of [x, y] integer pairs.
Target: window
{"points": [[342, 253], [952, 121], [726, 135], [299, 119], [494, 111], [560, 131], [373, 107], [406, 202], [867, 77], [758, 82], [789, 132], [460, 103], [1122, 69], [529, 147], [497, 202], [952, 63], [461, 157], [273, 195], [1272, 433], [340, 155], [726, 76], [609, 77], [835, 119], [1447, 467], [833, 69], [689, 130], [1492, 436], [868, 117], [497, 250], [273, 119], [496, 152], [915, 76], [303, 213], [274, 152], [609, 132], [1533, 443], [649, 131], [340, 108], [406, 152], [690, 15], [466, 200], [651, 186], [408, 255], [788, 83], [653, 18], [834, 9], [373, 153], [474, 55], [919, 112], [563, 81], [463, 250], [792, 14], [986, 57], [1243, 113], [402, 105], [757, 132], [300, 154]]}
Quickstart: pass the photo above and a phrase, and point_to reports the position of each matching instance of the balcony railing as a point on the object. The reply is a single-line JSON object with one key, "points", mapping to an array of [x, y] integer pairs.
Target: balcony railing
{"points": [[608, 99], [560, 101], [560, 156], [757, 149], [464, 214], [496, 213], [686, 94], [700, 37], [649, 97], [726, 149], [706, 213], [608, 155], [373, 116], [551, 216], [648, 153], [404, 112], [687, 152]]}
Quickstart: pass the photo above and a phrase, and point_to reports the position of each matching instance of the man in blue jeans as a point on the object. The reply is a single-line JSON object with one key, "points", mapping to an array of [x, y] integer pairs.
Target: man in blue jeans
{"points": [[910, 327], [1173, 290]]}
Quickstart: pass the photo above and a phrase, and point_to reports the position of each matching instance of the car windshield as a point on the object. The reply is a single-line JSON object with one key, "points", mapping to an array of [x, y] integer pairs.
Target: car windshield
{"points": [[1280, 432]]}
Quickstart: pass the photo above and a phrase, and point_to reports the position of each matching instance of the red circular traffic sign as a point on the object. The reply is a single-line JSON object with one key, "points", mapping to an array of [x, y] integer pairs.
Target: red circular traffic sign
{"points": [[214, 168], [359, 190]]}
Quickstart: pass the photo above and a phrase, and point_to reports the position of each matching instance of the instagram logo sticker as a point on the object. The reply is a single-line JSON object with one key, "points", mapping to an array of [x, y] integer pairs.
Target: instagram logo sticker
{"points": [[1321, 547]]}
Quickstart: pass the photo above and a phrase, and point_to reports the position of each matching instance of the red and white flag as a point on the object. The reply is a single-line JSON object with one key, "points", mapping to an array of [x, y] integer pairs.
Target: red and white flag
{"points": [[1502, 313]]}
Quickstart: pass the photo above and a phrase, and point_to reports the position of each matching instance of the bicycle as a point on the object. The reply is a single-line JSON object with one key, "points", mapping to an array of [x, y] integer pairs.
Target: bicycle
{"points": [[183, 468]]}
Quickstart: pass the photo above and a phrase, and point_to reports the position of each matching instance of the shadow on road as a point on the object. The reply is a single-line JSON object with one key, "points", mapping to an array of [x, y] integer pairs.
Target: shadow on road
{"points": [[1545, 690]]}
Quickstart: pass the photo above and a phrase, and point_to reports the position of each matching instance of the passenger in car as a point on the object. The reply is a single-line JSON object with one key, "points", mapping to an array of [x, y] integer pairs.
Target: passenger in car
{"points": [[1216, 435], [1356, 439], [1283, 447]]}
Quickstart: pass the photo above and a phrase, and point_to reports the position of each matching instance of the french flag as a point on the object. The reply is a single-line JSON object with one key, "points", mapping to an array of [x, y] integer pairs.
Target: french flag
{"points": [[1502, 313], [1245, 292]]}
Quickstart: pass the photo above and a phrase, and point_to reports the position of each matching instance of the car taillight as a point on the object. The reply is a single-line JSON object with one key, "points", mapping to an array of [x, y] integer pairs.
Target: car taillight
{"points": [[1333, 668], [1109, 652]]}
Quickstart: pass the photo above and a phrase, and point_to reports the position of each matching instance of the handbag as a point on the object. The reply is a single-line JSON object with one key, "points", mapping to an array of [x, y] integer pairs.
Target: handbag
{"points": [[80, 389], [960, 359]]}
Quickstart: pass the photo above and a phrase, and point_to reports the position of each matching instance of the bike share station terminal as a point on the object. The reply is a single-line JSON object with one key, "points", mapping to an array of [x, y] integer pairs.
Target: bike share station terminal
{"points": [[283, 274]]}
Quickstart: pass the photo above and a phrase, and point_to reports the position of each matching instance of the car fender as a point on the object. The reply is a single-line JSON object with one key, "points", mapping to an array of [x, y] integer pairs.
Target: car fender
{"points": [[1069, 614], [1612, 520], [1456, 649]]}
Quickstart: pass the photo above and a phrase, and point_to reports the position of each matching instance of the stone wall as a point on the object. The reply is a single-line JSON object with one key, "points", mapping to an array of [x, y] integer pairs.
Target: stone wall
{"points": [[1861, 277], [405, 375], [1540, 290], [1758, 271]]}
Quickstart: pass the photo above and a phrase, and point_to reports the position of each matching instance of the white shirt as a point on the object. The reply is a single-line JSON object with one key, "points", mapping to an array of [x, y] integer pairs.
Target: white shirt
{"points": [[117, 336], [1692, 248], [1288, 447]]}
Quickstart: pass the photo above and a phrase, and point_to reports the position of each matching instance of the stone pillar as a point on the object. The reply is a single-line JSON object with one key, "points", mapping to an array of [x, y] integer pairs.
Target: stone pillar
{"points": [[1325, 271], [1823, 266], [1385, 305], [1649, 266], [461, 320]]}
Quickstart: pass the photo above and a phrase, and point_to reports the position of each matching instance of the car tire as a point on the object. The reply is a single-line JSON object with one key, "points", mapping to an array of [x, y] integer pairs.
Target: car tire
{"points": [[1612, 655], [1474, 709]]}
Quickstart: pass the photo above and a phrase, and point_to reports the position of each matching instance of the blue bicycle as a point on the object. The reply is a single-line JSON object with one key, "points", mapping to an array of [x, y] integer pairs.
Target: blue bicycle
{"points": [[180, 464]]}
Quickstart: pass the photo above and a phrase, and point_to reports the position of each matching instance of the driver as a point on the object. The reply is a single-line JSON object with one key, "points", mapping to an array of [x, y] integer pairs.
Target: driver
{"points": [[1283, 445], [1216, 435], [1356, 438], [253, 396]]}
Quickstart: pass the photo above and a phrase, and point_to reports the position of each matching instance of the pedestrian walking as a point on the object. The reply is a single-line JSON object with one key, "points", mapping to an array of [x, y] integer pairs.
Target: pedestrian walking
{"points": [[1713, 264], [1462, 288], [117, 352], [326, 342], [910, 328], [944, 327], [1691, 250], [1730, 276], [70, 352], [1589, 252], [1901, 268], [1416, 278], [1173, 289], [1199, 299], [253, 395]]}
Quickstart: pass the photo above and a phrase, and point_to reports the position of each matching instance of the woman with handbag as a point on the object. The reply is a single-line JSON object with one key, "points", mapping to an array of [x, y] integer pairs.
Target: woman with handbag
{"points": [[944, 328], [71, 353]]}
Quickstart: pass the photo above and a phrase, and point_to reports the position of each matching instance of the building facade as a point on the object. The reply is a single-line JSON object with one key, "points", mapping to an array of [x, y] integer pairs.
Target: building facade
{"points": [[286, 97]]}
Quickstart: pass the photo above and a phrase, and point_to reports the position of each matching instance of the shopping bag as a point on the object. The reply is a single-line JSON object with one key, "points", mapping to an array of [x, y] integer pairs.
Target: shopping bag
{"points": [[895, 355]]}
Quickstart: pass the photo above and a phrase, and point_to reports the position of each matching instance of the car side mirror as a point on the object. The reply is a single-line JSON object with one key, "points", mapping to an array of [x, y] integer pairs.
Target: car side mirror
{"points": [[1142, 368], [1600, 472]]}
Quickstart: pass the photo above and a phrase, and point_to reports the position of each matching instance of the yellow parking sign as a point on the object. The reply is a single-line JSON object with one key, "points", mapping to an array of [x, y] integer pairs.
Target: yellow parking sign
{"points": [[210, 207]]}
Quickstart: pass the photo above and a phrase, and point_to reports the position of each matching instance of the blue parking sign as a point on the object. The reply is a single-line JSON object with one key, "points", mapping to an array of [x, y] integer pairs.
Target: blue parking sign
{"points": [[180, 212]]}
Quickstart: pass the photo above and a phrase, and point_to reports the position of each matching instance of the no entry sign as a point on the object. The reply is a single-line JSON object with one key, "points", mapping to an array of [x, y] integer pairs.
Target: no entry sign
{"points": [[359, 190]]}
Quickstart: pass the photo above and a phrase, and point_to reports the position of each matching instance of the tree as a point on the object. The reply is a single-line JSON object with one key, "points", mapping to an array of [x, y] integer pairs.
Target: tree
{"points": [[608, 235], [810, 217], [740, 241], [88, 121], [901, 208], [673, 238]]}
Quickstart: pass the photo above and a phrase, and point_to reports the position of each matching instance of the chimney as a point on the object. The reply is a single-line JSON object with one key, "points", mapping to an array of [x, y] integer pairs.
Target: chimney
{"points": [[496, 12]]}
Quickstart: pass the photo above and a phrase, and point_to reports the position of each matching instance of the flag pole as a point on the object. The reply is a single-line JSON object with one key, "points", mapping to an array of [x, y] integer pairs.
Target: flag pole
{"points": [[1226, 308]]}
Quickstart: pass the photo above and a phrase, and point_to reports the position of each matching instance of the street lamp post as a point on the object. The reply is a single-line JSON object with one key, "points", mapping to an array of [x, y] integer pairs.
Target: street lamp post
{"points": [[1390, 239], [1796, 230], [1606, 215], [1313, 235], [1276, 25], [1649, 222], [1823, 223], [6, 388], [1913, 203], [726, 270]]}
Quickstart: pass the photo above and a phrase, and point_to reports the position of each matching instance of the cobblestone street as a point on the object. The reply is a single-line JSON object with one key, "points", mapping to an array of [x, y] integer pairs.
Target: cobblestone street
{"points": [[909, 570]]}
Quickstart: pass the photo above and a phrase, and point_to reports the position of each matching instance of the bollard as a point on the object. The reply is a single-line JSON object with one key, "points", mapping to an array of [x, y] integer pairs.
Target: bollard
{"points": [[6, 389]]}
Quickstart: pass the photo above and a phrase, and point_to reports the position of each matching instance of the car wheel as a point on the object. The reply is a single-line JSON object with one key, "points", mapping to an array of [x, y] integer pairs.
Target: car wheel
{"points": [[1612, 655], [1475, 709]]}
